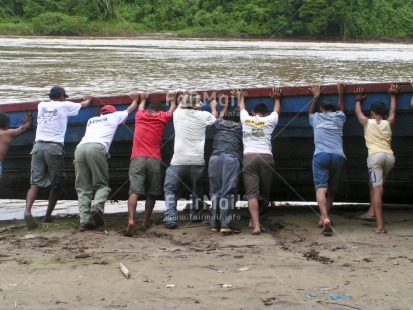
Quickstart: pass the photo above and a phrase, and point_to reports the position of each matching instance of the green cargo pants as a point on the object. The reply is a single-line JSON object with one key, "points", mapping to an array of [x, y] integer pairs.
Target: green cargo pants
{"points": [[92, 178]]}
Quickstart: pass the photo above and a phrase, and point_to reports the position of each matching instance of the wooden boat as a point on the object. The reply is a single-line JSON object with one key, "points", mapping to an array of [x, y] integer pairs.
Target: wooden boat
{"points": [[292, 145]]}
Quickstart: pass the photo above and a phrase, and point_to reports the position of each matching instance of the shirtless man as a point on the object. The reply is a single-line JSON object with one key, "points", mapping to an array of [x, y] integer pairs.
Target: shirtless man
{"points": [[7, 134]]}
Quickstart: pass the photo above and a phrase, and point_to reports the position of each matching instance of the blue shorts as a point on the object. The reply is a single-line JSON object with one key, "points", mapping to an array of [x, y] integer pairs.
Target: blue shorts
{"points": [[327, 169]]}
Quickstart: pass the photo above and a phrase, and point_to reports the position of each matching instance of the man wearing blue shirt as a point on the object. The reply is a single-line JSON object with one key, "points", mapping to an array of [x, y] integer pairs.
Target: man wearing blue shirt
{"points": [[329, 158]]}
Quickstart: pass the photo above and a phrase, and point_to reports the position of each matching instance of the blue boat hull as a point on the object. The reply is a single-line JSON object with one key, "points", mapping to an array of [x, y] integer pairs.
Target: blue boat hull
{"points": [[292, 147]]}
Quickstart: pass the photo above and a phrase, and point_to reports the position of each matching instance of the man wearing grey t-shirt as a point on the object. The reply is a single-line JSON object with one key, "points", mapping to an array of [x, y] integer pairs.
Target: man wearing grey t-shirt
{"points": [[329, 158]]}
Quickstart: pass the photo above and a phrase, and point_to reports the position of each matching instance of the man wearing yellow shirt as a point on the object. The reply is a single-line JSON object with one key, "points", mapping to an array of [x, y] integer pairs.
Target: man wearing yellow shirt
{"points": [[380, 160]]}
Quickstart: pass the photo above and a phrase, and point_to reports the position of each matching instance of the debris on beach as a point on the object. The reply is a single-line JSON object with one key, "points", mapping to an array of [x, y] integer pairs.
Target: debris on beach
{"points": [[124, 270], [268, 301], [82, 255], [226, 285], [314, 255], [243, 269], [170, 285]]}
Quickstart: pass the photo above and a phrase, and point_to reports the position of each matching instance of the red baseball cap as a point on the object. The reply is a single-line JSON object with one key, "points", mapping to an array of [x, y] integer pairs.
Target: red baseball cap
{"points": [[107, 109]]}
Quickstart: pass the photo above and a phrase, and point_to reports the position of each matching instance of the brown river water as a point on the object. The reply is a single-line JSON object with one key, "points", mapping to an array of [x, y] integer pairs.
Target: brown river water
{"points": [[109, 66], [29, 66]]}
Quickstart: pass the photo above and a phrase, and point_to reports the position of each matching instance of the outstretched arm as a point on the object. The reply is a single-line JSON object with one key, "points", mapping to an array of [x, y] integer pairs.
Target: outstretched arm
{"points": [[87, 100], [224, 101], [315, 89], [171, 97], [240, 94], [276, 94], [28, 119], [213, 106], [393, 90], [135, 97], [341, 87], [144, 97], [360, 96]]}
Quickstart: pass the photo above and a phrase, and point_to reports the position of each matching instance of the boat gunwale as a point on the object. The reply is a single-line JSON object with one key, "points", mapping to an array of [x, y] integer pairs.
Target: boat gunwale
{"points": [[330, 89]]}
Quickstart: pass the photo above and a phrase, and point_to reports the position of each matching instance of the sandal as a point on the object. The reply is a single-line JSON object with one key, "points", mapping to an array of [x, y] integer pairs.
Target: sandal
{"points": [[381, 231], [144, 228], [367, 218], [327, 230]]}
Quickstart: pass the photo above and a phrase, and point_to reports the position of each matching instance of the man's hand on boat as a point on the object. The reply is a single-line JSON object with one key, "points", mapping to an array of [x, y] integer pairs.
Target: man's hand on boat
{"points": [[394, 89], [171, 96], [275, 92], [134, 96], [87, 100], [28, 117], [222, 99], [144, 96], [315, 90], [341, 86], [239, 93], [359, 93]]}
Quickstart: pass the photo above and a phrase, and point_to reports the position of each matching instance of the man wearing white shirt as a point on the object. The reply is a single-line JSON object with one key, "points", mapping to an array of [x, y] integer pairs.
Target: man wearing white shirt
{"points": [[91, 165], [187, 164], [258, 162], [47, 166]]}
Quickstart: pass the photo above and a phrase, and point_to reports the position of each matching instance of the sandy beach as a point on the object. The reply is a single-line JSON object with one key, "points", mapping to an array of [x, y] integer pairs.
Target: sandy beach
{"points": [[291, 266]]}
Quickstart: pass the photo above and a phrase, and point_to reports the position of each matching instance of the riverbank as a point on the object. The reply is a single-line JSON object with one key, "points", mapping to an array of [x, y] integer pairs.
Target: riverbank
{"points": [[291, 265], [127, 30]]}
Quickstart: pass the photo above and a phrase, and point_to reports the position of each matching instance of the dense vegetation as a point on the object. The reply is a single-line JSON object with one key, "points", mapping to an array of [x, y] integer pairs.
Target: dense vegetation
{"points": [[317, 19]]}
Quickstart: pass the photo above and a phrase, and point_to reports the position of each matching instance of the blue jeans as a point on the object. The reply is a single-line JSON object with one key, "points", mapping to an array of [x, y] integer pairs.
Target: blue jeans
{"points": [[327, 170], [177, 177], [224, 170]]}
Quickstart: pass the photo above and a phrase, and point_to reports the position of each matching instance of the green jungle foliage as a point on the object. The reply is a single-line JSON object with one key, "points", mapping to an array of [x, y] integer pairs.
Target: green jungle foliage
{"points": [[316, 19]]}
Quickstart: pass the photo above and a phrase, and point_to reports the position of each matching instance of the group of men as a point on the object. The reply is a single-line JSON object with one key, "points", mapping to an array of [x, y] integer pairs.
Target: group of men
{"points": [[242, 146]]}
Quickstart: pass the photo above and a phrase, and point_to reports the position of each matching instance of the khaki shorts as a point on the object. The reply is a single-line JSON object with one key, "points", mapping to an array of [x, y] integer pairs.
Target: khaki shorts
{"points": [[145, 176], [47, 168], [379, 164], [257, 171]]}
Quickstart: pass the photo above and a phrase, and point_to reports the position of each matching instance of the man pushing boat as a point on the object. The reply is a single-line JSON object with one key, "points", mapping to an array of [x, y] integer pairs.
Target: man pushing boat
{"points": [[47, 165]]}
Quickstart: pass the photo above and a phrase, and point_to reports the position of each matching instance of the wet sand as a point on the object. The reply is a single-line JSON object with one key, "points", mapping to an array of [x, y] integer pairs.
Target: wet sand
{"points": [[291, 266]]}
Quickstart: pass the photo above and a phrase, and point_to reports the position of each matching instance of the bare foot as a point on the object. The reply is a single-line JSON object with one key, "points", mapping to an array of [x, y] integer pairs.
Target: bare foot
{"points": [[251, 224], [256, 230], [47, 219], [327, 231], [30, 223], [131, 227]]}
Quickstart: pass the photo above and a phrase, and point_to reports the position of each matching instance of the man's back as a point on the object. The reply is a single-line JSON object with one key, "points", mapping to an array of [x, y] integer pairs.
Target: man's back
{"points": [[101, 129], [52, 119], [257, 131], [227, 138], [190, 125], [149, 127], [328, 132]]}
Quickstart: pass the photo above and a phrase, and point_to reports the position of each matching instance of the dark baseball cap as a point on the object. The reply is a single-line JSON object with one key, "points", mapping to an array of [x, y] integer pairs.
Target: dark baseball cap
{"points": [[57, 91]]}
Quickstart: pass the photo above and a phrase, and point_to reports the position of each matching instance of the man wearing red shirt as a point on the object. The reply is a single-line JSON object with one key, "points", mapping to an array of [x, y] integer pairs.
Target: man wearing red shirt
{"points": [[146, 159]]}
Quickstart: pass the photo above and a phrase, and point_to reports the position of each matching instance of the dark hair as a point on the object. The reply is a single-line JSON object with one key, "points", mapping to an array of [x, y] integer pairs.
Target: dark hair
{"points": [[4, 121], [328, 105], [232, 115], [260, 108], [155, 106], [379, 108]]}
